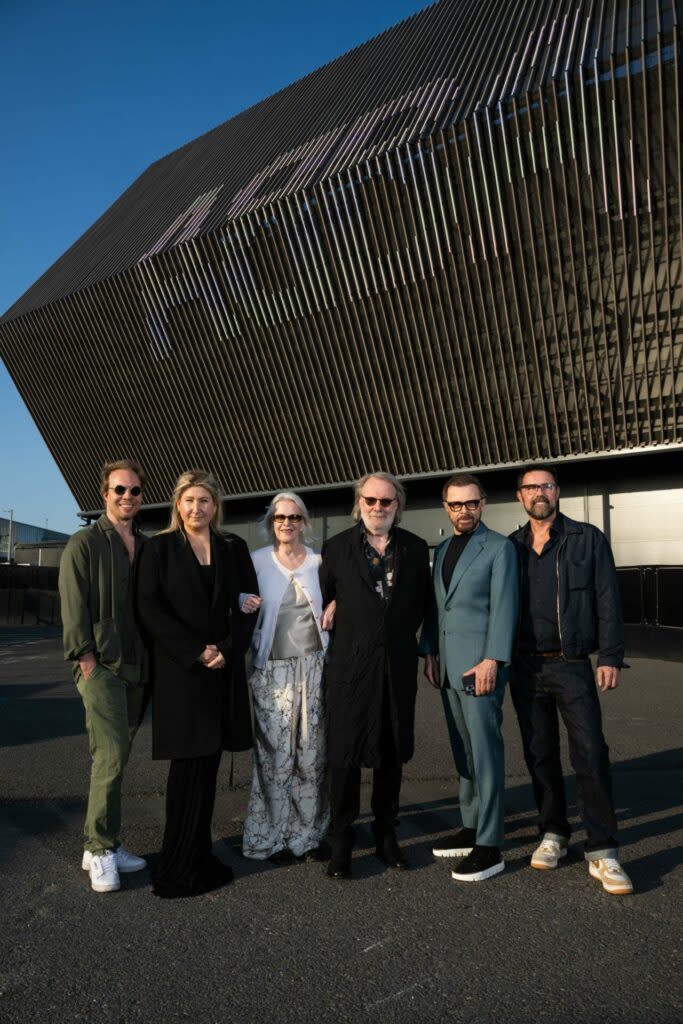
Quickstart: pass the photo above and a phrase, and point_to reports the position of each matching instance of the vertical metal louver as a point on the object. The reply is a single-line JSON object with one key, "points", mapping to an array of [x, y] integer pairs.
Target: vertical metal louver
{"points": [[458, 245]]}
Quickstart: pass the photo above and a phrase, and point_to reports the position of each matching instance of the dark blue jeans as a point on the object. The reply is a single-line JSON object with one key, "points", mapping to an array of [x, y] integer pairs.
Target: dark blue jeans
{"points": [[569, 687]]}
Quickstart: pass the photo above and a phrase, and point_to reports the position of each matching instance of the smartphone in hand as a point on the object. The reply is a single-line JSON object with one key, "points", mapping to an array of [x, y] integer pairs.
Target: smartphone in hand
{"points": [[468, 684]]}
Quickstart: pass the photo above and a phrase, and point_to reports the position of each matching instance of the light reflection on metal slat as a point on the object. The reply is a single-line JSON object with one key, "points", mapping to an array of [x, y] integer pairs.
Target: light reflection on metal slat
{"points": [[302, 325], [498, 409], [602, 354], [127, 296], [665, 217], [265, 363], [403, 301], [354, 189], [425, 348], [319, 381], [320, 262], [136, 396], [420, 220], [545, 379], [544, 183], [571, 263], [496, 178], [21, 339], [191, 359], [515, 255], [350, 342], [479, 370]]}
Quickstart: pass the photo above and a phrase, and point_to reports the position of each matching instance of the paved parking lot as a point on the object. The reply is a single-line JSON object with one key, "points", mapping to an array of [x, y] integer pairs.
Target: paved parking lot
{"points": [[286, 944]]}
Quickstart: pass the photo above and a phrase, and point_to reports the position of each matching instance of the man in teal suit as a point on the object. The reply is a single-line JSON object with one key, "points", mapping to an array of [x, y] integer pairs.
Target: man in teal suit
{"points": [[467, 641]]}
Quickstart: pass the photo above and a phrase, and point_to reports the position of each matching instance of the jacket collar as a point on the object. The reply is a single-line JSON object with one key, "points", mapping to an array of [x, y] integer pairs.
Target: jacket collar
{"points": [[473, 547]]}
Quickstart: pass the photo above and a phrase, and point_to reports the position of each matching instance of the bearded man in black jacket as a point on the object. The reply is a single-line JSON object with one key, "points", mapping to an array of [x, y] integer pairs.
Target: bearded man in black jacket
{"points": [[569, 608], [376, 576]]}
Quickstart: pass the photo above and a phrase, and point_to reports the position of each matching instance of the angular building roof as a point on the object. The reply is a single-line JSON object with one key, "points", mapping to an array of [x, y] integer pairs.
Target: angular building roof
{"points": [[457, 245], [420, 77]]}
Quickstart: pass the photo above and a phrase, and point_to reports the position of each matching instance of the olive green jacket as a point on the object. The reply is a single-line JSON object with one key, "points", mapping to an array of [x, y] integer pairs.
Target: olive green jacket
{"points": [[93, 599]]}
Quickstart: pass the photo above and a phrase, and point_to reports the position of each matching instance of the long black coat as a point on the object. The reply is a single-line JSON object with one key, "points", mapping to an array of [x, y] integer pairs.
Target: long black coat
{"points": [[196, 711], [373, 641]]}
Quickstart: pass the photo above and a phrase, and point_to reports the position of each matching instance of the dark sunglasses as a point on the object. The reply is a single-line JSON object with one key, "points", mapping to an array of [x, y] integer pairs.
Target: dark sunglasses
{"points": [[121, 490], [472, 505], [281, 518], [384, 502]]}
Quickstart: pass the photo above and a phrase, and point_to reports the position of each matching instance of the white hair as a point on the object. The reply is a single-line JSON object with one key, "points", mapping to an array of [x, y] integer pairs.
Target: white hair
{"points": [[267, 521]]}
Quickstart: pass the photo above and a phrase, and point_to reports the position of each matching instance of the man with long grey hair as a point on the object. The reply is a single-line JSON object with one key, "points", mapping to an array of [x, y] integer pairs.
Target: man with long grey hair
{"points": [[378, 575]]}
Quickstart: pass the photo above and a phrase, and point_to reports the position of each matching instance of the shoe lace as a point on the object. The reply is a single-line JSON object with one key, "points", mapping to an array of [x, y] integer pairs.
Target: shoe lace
{"points": [[549, 846]]}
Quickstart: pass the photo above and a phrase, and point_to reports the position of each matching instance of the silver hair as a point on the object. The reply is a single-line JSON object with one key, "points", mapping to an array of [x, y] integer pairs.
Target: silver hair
{"points": [[389, 479], [267, 521]]}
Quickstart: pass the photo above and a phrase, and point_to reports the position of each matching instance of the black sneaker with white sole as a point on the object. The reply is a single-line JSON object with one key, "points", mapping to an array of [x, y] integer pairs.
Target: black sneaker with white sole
{"points": [[458, 845], [483, 862]]}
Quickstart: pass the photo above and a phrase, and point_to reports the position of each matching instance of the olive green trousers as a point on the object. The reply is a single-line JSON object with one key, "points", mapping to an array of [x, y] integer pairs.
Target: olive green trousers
{"points": [[114, 709]]}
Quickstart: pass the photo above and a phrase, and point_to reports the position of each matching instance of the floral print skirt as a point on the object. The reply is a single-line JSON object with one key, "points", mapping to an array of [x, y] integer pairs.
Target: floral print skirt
{"points": [[289, 806]]}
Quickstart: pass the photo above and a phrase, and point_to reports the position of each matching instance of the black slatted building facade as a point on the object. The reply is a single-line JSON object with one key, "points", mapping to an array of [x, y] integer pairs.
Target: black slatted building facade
{"points": [[457, 246]]}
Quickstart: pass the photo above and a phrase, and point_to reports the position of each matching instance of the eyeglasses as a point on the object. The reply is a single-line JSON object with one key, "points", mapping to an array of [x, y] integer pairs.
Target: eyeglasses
{"points": [[384, 502], [472, 505], [281, 518], [121, 490], [529, 488]]}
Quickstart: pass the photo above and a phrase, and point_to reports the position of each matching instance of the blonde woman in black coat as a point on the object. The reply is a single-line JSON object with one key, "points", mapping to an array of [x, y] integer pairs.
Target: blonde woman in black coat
{"points": [[189, 584]]}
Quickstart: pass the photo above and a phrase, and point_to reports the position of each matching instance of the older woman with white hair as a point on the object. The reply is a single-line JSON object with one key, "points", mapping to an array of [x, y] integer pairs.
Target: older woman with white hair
{"points": [[288, 812]]}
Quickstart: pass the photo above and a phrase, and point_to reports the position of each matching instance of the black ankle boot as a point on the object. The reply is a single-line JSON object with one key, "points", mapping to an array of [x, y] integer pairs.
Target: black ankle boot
{"points": [[340, 857], [387, 848]]}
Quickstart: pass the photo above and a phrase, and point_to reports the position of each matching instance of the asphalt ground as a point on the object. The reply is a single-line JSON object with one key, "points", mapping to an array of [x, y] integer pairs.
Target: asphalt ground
{"points": [[287, 944]]}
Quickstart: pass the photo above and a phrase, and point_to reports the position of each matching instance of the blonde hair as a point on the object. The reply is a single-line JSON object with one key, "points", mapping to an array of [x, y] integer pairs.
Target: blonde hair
{"points": [[267, 521], [194, 478], [389, 479]]}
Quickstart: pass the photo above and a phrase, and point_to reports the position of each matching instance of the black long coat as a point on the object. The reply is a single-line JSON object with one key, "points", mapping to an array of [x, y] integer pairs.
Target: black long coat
{"points": [[373, 641], [196, 711]]}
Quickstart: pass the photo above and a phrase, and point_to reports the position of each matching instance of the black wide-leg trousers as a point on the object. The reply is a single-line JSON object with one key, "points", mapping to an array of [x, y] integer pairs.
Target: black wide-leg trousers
{"points": [[185, 864]]}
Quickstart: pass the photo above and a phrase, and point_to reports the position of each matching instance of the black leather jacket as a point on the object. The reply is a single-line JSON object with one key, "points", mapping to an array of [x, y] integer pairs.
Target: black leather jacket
{"points": [[589, 614]]}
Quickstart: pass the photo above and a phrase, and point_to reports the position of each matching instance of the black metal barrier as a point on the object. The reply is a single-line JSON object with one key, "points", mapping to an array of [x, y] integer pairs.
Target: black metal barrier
{"points": [[29, 607], [652, 599], [651, 595], [23, 577]]}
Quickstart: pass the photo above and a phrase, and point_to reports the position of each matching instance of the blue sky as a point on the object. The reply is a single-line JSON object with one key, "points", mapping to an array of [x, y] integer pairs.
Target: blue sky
{"points": [[91, 93]]}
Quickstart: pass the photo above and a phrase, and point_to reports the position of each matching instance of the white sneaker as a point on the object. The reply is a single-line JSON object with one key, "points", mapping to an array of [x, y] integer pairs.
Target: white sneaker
{"points": [[548, 854], [613, 877], [126, 862], [104, 876]]}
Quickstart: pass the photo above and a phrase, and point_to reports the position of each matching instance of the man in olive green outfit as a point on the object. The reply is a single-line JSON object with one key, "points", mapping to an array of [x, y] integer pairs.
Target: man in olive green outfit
{"points": [[101, 638]]}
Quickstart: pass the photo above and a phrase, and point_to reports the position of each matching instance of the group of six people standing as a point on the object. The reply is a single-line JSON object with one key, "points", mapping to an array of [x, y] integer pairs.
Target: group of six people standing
{"points": [[334, 641]]}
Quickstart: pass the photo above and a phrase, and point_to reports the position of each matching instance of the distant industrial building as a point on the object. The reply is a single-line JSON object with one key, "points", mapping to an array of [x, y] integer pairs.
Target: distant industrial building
{"points": [[21, 542]]}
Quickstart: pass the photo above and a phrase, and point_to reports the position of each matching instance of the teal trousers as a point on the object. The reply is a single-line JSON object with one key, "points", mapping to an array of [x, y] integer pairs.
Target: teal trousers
{"points": [[474, 728]]}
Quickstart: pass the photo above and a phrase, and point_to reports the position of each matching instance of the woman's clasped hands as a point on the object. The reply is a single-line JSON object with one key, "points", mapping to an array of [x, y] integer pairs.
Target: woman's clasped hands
{"points": [[211, 657]]}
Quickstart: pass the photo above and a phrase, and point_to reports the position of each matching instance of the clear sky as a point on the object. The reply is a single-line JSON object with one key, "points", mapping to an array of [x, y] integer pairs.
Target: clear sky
{"points": [[91, 93]]}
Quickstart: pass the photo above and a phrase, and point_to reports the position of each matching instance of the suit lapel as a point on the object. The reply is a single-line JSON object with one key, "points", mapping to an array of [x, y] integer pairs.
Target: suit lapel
{"points": [[473, 548]]}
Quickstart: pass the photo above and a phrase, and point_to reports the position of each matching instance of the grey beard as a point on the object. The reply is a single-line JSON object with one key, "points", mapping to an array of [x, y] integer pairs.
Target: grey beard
{"points": [[374, 527]]}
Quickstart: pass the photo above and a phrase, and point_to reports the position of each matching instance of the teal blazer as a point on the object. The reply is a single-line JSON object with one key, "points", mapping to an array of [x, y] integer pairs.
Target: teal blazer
{"points": [[477, 617]]}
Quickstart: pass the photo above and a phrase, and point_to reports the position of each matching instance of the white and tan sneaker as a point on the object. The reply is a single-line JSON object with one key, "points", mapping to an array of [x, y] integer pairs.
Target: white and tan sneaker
{"points": [[548, 853], [126, 862], [104, 875], [613, 877]]}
